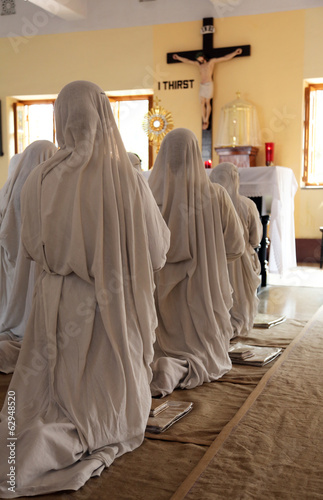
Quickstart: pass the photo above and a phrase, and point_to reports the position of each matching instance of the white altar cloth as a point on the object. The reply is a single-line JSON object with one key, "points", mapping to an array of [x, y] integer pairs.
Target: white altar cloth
{"points": [[281, 184]]}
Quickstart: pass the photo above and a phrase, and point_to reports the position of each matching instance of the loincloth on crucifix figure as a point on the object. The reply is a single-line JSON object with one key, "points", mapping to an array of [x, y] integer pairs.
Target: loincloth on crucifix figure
{"points": [[206, 90], [206, 68]]}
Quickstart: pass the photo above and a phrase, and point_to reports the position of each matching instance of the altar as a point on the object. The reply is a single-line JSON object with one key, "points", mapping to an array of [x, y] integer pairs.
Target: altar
{"points": [[280, 184]]}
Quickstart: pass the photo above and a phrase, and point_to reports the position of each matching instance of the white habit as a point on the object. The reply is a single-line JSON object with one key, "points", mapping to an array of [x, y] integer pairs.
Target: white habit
{"points": [[82, 380], [17, 273], [245, 272], [135, 161], [14, 160], [193, 293]]}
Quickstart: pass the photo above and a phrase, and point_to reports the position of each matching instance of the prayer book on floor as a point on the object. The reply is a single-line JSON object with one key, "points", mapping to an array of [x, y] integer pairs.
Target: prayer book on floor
{"points": [[157, 406], [267, 320], [173, 411], [252, 355]]}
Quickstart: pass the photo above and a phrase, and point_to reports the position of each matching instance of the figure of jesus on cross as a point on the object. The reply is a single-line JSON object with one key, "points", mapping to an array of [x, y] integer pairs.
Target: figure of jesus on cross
{"points": [[206, 68], [205, 61]]}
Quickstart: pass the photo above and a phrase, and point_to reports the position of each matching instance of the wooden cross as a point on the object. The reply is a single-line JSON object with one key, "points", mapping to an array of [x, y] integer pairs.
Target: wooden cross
{"points": [[208, 49], [209, 52]]}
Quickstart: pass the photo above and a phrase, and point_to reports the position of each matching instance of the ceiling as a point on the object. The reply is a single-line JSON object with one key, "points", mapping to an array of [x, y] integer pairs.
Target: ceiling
{"points": [[39, 17]]}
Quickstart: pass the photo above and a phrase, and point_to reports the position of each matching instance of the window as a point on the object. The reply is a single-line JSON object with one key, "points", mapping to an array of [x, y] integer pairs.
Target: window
{"points": [[313, 134], [34, 120], [129, 112]]}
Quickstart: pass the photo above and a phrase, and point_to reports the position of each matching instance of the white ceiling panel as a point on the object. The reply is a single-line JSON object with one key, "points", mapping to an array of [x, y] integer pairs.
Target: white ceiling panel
{"points": [[63, 16]]}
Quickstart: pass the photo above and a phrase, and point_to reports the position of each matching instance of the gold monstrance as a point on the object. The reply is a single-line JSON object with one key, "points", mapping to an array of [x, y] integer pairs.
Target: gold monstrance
{"points": [[157, 123]]}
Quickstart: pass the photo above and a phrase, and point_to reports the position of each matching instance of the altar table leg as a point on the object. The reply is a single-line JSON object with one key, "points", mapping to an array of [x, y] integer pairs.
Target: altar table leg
{"points": [[264, 244]]}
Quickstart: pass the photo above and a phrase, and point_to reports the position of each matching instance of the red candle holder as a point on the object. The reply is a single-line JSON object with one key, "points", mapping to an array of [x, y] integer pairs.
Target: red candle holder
{"points": [[269, 148], [208, 164]]}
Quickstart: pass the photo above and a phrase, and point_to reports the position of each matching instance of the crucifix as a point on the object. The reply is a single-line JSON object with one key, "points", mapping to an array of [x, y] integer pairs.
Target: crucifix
{"points": [[205, 61]]}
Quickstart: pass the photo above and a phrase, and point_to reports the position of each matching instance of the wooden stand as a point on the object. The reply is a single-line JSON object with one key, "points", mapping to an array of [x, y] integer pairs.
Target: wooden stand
{"points": [[262, 250], [241, 156]]}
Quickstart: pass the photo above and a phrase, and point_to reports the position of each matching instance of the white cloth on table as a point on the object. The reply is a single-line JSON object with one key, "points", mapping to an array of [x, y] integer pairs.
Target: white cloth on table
{"points": [[193, 293], [280, 182], [82, 380], [17, 273], [244, 273]]}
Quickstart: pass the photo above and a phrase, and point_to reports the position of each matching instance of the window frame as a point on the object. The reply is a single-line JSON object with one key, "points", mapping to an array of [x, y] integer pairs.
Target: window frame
{"points": [[137, 97], [112, 98], [310, 87], [30, 102]]}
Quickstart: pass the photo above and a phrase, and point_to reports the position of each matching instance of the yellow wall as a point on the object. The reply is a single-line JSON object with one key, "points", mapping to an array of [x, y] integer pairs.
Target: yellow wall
{"points": [[114, 59], [183, 104], [310, 201], [264, 78], [285, 49]]}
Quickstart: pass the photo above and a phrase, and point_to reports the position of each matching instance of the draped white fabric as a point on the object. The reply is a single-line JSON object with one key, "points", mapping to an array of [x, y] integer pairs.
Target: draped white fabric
{"points": [[281, 183], [135, 161], [17, 273], [13, 163], [83, 374], [244, 273], [193, 294]]}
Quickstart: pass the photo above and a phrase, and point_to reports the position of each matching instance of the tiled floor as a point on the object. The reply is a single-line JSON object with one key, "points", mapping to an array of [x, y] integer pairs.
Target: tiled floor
{"points": [[298, 293], [304, 275]]}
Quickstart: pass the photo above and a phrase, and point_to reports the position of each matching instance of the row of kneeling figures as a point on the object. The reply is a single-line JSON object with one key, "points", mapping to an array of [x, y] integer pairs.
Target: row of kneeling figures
{"points": [[113, 289]]}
